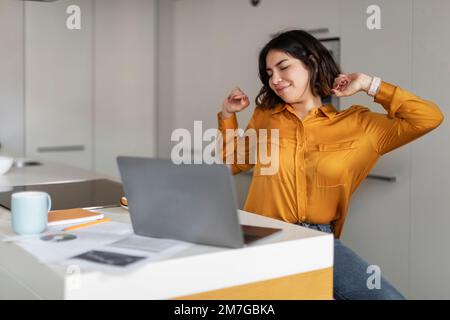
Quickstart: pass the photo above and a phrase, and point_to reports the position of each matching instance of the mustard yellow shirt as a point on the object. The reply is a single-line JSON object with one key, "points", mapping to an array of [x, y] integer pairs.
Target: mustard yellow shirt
{"points": [[324, 157]]}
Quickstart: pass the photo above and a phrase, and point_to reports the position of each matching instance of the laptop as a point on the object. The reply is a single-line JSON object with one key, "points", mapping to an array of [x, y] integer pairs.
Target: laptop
{"points": [[193, 203]]}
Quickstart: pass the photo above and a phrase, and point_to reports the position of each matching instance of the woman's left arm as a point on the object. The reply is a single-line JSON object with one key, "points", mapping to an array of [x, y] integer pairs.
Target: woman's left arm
{"points": [[408, 116]]}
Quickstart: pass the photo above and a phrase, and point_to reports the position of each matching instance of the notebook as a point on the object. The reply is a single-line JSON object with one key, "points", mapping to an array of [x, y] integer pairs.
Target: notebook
{"points": [[70, 216]]}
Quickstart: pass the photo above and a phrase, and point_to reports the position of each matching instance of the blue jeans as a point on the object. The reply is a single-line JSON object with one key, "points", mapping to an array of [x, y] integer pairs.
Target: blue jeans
{"points": [[350, 275]]}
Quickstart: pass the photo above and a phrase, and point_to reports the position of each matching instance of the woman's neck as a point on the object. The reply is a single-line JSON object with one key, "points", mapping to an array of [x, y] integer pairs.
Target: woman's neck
{"points": [[302, 108]]}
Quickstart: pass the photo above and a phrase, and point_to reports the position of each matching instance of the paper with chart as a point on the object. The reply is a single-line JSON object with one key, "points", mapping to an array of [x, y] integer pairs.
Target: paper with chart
{"points": [[106, 246], [55, 245], [128, 253]]}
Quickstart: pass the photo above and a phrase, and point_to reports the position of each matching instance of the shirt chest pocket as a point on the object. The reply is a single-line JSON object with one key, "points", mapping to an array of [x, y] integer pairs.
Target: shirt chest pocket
{"points": [[332, 162]]}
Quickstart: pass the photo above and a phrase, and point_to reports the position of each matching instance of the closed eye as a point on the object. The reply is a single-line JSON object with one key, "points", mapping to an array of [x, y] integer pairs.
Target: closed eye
{"points": [[282, 68]]}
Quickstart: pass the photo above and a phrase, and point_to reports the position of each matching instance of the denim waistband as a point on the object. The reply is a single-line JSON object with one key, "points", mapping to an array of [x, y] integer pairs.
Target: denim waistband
{"points": [[320, 227]]}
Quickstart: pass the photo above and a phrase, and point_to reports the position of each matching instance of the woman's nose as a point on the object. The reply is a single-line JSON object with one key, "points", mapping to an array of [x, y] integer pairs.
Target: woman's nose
{"points": [[275, 79]]}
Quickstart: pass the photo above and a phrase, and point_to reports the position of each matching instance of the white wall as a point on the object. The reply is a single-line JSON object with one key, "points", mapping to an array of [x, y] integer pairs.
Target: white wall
{"points": [[11, 77], [165, 77], [430, 178], [125, 72]]}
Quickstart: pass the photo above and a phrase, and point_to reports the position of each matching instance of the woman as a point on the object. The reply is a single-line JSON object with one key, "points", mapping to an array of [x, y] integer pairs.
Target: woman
{"points": [[324, 154]]}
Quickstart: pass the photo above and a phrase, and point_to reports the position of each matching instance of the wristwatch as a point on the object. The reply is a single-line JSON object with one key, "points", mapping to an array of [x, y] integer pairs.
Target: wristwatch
{"points": [[374, 86]]}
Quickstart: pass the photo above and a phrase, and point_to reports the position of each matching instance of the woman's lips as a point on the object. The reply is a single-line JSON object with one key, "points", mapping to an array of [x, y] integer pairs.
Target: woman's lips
{"points": [[282, 89]]}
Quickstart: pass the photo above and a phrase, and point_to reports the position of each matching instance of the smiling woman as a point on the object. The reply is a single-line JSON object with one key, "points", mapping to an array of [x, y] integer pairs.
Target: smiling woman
{"points": [[324, 154], [293, 65]]}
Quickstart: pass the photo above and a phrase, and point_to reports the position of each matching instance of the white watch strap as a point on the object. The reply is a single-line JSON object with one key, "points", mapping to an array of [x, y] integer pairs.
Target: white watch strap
{"points": [[374, 85]]}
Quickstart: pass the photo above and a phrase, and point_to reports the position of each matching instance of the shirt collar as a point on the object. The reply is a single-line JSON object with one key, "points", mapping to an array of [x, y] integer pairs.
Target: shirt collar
{"points": [[278, 108], [327, 110]]}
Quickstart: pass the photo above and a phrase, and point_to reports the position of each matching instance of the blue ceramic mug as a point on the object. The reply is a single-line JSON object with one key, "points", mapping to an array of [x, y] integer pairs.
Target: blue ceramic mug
{"points": [[29, 210]]}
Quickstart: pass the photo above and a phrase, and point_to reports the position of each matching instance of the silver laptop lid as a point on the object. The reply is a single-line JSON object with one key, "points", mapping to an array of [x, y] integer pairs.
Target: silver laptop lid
{"points": [[194, 203]]}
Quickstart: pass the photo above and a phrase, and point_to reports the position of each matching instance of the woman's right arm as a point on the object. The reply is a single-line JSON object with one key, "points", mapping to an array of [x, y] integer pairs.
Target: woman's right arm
{"points": [[234, 151]]}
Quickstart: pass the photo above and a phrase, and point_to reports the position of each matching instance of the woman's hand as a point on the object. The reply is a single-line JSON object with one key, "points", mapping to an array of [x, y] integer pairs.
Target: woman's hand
{"points": [[346, 85], [236, 101]]}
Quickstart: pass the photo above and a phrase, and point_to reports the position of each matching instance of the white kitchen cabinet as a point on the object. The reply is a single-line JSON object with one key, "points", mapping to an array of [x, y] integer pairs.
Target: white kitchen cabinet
{"points": [[11, 77], [58, 83], [377, 225], [430, 179], [90, 93]]}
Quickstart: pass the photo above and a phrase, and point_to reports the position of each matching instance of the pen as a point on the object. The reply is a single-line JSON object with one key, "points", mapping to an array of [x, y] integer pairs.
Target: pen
{"points": [[87, 224]]}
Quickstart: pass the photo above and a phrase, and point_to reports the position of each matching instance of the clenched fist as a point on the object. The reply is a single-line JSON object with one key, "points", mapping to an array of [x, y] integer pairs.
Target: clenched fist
{"points": [[346, 85], [236, 101]]}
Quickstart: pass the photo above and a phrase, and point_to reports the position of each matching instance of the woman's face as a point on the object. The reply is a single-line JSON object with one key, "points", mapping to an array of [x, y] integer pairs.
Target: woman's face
{"points": [[288, 76]]}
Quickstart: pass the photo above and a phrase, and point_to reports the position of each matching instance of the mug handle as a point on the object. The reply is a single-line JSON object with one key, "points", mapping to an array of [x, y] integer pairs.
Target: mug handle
{"points": [[49, 202]]}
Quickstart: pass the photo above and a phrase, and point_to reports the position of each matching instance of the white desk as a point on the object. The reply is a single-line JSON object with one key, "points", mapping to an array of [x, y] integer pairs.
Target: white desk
{"points": [[293, 264]]}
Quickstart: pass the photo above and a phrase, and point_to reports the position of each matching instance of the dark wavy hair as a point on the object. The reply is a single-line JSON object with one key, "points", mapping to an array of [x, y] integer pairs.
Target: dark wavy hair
{"points": [[303, 46]]}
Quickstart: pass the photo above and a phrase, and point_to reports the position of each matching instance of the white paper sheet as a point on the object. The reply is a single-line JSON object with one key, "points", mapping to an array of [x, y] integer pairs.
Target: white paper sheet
{"points": [[97, 245], [87, 239]]}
